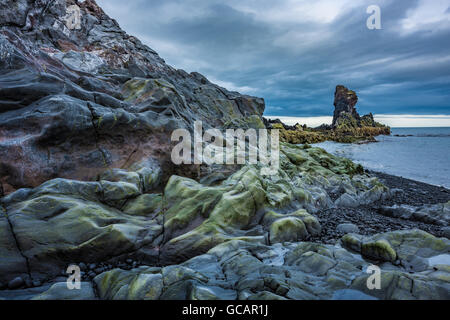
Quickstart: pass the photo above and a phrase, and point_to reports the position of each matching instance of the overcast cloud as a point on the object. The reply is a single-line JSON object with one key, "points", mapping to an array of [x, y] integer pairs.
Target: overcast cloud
{"points": [[294, 52]]}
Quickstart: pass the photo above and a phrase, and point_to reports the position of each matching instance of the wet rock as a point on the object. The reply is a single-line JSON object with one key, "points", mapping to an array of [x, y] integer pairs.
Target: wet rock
{"points": [[16, 283], [59, 291]]}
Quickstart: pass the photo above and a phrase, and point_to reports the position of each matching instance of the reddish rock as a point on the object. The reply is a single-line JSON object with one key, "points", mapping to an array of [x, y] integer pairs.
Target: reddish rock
{"points": [[75, 102]]}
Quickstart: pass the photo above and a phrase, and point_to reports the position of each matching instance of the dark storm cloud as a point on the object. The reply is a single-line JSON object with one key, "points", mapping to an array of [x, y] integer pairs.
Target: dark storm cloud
{"points": [[294, 52]]}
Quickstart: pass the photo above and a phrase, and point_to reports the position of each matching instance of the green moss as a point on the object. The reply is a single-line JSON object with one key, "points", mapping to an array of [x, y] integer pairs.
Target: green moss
{"points": [[144, 205], [379, 250], [289, 229]]}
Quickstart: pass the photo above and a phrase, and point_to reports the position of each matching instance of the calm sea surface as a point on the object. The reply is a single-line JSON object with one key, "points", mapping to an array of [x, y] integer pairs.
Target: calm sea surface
{"points": [[424, 155]]}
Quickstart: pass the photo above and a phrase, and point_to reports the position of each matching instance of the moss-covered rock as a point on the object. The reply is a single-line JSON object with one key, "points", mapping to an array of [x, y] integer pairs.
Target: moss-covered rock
{"points": [[379, 250], [404, 245], [54, 231], [144, 205], [145, 283], [302, 270], [97, 221], [289, 229]]}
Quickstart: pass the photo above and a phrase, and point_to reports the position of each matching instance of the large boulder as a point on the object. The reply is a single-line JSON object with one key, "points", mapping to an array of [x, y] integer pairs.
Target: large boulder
{"points": [[63, 222], [406, 247], [438, 214]]}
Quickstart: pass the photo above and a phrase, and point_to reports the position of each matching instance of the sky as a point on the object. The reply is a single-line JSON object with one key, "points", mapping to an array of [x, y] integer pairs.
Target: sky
{"points": [[293, 53]]}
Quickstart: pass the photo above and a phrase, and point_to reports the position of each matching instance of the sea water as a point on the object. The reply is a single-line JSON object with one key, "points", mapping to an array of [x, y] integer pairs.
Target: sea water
{"points": [[421, 154]]}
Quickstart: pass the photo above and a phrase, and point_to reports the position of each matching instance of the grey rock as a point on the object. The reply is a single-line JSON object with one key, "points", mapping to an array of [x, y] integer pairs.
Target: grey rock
{"points": [[350, 294], [237, 269], [347, 228], [16, 283], [347, 201], [438, 214], [446, 232], [59, 291]]}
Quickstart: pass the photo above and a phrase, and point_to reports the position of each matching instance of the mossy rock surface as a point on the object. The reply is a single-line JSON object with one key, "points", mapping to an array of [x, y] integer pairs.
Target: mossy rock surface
{"points": [[289, 229], [65, 221], [302, 270]]}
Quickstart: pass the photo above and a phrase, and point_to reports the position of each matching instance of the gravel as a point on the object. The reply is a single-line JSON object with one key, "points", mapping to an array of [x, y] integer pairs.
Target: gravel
{"points": [[368, 219]]}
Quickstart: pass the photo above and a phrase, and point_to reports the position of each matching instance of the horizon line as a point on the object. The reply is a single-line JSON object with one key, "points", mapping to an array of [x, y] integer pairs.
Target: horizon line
{"points": [[392, 120]]}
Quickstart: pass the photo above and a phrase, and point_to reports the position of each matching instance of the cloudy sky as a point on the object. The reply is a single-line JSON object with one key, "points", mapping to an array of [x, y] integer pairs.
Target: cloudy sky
{"points": [[294, 52]]}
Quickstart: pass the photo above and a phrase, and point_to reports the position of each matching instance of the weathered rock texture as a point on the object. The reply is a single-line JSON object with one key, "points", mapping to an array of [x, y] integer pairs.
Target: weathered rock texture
{"points": [[344, 102], [78, 95], [85, 121]]}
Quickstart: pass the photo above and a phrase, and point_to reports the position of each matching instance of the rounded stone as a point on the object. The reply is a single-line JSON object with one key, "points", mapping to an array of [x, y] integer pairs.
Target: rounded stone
{"points": [[288, 229], [36, 283], [16, 283], [347, 228]]}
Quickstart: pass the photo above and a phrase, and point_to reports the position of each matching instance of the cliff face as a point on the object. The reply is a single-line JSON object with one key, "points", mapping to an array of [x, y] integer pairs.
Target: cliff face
{"points": [[79, 95]]}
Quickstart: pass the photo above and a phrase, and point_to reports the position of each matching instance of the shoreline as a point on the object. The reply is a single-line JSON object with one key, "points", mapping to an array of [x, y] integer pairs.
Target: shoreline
{"points": [[370, 221], [419, 155]]}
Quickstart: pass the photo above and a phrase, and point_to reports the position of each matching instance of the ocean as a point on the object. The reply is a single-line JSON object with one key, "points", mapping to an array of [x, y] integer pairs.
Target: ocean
{"points": [[421, 154]]}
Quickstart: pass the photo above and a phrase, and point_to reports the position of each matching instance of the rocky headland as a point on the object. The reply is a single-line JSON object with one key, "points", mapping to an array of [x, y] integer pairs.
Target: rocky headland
{"points": [[86, 114], [347, 126]]}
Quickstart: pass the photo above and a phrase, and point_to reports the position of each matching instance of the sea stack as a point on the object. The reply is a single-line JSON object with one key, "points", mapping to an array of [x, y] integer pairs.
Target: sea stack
{"points": [[345, 101]]}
